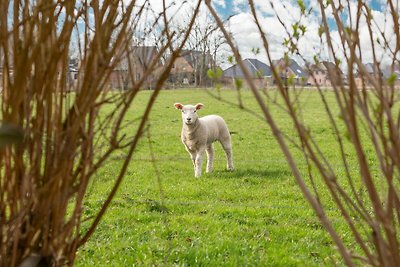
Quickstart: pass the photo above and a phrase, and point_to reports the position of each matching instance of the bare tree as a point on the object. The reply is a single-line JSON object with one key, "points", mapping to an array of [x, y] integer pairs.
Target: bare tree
{"points": [[203, 46], [368, 127], [65, 137]]}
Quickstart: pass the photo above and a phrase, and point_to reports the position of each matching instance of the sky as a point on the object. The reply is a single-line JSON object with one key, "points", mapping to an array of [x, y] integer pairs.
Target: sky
{"points": [[247, 38]]}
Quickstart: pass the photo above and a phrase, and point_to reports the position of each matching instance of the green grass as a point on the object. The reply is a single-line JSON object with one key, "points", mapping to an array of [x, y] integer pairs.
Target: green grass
{"points": [[253, 216]]}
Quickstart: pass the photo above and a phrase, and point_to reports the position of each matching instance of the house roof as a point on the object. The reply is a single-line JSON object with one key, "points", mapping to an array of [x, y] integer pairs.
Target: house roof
{"points": [[372, 69], [73, 64], [386, 73], [254, 66], [297, 69], [291, 64], [369, 67]]}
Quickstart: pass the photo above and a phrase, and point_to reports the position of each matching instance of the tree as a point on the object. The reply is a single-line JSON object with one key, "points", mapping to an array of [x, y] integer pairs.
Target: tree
{"points": [[204, 44]]}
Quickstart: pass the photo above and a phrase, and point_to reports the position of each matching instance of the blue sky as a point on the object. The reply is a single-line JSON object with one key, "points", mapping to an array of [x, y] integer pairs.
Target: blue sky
{"points": [[227, 10], [228, 7]]}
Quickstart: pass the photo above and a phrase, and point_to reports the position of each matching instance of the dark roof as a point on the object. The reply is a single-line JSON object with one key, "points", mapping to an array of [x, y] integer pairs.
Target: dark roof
{"points": [[296, 68], [291, 64], [372, 69], [73, 64], [386, 73], [256, 68]]}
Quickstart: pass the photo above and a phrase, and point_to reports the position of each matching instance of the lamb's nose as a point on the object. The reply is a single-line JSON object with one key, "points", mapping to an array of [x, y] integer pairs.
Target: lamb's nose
{"points": [[189, 119]]}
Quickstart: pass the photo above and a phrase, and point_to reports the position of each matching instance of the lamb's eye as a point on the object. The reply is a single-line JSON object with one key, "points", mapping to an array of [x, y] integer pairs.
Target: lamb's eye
{"points": [[183, 111], [195, 111]]}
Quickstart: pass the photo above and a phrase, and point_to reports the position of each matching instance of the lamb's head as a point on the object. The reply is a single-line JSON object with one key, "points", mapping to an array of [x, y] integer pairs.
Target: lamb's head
{"points": [[189, 112]]}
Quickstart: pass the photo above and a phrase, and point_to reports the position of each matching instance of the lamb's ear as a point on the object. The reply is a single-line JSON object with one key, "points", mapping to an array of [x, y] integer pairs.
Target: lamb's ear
{"points": [[199, 106], [178, 105]]}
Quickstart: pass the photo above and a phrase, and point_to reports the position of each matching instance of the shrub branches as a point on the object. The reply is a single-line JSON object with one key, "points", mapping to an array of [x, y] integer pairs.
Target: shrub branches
{"points": [[66, 135], [366, 130]]}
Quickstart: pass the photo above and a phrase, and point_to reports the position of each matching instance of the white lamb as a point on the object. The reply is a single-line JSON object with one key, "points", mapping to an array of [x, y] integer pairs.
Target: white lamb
{"points": [[198, 135]]}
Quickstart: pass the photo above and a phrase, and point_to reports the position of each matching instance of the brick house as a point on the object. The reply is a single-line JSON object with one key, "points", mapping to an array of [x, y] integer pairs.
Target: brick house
{"points": [[191, 67], [72, 73], [324, 74]]}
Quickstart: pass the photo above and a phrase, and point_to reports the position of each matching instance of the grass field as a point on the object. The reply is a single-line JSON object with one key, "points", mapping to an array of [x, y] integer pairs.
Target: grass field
{"points": [[254, 216]]}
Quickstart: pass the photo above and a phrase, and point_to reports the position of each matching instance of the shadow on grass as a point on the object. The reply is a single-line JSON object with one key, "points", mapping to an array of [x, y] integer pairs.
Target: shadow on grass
{"points": [[252, 173]]}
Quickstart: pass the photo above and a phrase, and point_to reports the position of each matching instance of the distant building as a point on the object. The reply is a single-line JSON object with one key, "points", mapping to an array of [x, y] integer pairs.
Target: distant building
{"points": [[377, 73], [396, 71], [260, 73], [72, 73], [132, 66], [288, 69], [324, 74], [191, 67], [256, 68], [393, 70]]}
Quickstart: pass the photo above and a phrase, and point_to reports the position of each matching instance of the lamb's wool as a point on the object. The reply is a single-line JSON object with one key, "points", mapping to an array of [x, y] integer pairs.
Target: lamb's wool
{"points": [[198, 135]]}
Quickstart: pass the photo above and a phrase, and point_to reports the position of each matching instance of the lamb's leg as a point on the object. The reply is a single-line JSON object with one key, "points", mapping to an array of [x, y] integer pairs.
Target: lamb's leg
{"points": [[227, 146], [198, 162], [192, 155], [193, 158], [210, 157]]}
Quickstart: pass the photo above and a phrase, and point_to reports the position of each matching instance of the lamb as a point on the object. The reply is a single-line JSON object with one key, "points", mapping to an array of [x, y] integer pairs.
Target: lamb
{"points": [[199, 134]]}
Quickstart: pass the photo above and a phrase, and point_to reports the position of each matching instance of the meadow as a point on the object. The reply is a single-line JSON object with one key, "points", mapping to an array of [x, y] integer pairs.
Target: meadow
{"points": [[253, 216]]}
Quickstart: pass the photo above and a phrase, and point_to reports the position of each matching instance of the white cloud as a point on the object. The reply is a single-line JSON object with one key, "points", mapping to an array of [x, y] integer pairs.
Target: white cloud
{"points": [[220, 3], [247, 36]]}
